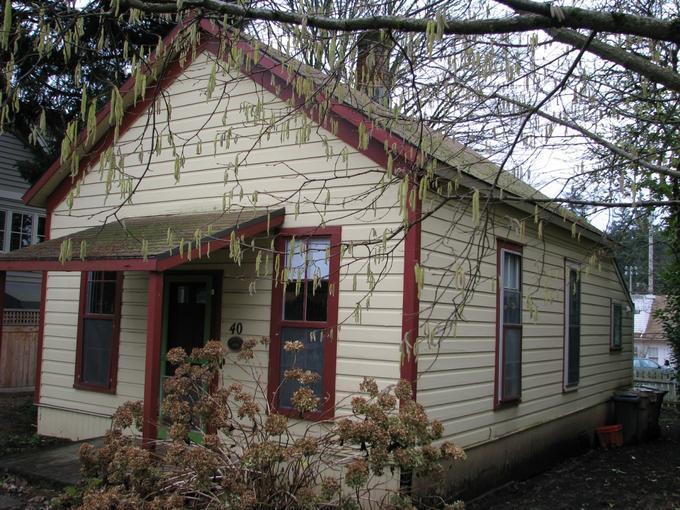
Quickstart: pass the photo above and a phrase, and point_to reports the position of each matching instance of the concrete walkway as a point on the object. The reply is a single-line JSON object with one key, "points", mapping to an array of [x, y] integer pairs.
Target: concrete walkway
{"points": [[58, 466]]}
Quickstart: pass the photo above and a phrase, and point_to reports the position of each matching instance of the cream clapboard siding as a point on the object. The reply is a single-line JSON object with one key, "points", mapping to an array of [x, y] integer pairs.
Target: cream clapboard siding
{"points": [[275, 167], [456, 380]]}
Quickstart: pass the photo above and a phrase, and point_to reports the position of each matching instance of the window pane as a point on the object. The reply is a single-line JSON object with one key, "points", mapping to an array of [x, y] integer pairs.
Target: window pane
{"points": [[317, 258], [101, 292], [512, 307], [616, 325], [2, 230], [512, 268], [295, 259], [96, 355], [311, 358], [317, 300], [512, 363], [22, 231], [293, 302], [41, 229]]}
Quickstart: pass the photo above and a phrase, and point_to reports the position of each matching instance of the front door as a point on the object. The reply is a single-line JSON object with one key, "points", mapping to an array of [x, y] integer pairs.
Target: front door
{"points": [[187, 311]]}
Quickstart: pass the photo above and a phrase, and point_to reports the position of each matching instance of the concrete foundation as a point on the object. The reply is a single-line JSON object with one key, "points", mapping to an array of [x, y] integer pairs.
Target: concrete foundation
{"points": [[517, 456]]}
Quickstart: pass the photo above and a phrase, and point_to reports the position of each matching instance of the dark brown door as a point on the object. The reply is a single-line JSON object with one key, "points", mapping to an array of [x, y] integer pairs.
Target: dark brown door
{"points": [[188, 316]]}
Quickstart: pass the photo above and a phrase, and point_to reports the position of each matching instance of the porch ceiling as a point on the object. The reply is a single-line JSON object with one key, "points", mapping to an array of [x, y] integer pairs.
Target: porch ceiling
{"points": [[149, 243]]}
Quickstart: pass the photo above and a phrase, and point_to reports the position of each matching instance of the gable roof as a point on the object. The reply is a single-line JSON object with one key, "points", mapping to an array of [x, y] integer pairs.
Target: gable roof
{"points": [[411, 141], [645, 325]]}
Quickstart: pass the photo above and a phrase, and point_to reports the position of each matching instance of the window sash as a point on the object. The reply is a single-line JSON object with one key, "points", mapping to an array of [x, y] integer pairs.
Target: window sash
{"points": [[572, 326], [509, 327], [617, 326], [98, 333], [316, 259], [19, 229]]}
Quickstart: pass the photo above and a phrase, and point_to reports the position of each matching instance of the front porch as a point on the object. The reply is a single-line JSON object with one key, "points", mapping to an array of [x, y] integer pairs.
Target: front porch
{"points": [[183, 295]]}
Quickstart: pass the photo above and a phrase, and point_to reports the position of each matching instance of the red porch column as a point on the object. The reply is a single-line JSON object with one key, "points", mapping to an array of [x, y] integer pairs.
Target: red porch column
{"points": [[3, 279], [152, 373]]}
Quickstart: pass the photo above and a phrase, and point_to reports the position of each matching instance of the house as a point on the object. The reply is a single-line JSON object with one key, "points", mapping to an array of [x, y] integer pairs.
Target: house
{"points": [[511, 322], [649, 339], [20, 226]]}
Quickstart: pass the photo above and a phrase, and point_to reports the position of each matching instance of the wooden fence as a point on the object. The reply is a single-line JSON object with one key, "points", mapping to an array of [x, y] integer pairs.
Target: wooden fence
{"points": [[18, 348], [660, 380]]}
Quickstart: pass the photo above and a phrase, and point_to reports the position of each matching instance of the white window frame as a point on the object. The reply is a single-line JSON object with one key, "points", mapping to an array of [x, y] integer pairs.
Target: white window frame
{"points": [[570, 265], [9, 212]]}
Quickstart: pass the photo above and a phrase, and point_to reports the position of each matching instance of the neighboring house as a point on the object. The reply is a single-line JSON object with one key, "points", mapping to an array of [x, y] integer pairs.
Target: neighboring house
{"points": [[528, 364], [649, 338], [20, 225]]}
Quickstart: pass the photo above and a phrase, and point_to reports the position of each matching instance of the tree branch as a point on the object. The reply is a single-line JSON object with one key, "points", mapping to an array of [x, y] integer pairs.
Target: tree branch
{"points": [[579, 19], [630, 61], [614, 22]]}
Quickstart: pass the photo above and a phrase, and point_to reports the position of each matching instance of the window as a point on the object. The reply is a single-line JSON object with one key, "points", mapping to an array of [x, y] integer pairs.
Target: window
{"points": [[572, 324], [616, 327], [98, 330], [19, 229], [509, 323], [653, 354], [3, 217], [305, 309]]}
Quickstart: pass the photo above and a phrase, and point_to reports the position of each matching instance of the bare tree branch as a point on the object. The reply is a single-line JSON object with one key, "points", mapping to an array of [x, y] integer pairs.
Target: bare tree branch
{"points": [[577, 19]]}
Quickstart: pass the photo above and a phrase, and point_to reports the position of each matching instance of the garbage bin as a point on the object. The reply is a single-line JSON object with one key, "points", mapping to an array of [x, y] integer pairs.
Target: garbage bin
{"points": [[656, 397], [631, 409]]}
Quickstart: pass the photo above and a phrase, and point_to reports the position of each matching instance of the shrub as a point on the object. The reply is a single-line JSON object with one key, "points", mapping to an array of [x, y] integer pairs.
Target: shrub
{"points": [[227, 449]]}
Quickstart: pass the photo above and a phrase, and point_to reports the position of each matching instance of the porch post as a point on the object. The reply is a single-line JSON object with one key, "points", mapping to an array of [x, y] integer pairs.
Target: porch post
{"points": [[3, 278], [152, 373]]}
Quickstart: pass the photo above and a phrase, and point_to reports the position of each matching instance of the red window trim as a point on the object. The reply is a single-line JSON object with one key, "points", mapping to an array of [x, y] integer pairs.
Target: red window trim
{"points": [[115, 337], [612, 306], [327, 409], [504, 245]]}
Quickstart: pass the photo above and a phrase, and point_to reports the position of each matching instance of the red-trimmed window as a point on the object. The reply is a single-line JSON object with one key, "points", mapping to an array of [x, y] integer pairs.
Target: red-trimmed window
{"points": [[572, 324], [98, 330], [509, 323], [305, 308], [616, 336]]}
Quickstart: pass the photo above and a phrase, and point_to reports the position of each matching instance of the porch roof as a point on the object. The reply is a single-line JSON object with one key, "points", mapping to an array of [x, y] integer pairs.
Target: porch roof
{"points": [[149, 243]]}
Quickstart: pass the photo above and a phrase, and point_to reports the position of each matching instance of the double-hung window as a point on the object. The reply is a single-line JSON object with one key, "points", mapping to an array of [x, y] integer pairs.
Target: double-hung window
{"points": [[98, 331], [19, 229], [616, 336], [305, 309], [572, 324], [509, 323]]}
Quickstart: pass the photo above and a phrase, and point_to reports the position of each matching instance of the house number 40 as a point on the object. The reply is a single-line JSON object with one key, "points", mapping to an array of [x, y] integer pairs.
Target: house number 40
{"points": [[236, 328]]}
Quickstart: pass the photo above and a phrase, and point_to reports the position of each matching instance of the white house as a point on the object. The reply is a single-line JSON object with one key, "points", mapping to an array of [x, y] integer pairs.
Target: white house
{"points": [[511, 322]]}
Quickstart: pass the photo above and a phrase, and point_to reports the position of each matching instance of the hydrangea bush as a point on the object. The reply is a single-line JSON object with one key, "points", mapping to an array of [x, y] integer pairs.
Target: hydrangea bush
{"points": [[225, 448]]}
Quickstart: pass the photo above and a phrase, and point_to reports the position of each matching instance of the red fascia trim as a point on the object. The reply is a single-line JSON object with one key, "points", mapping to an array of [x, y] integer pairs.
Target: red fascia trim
{"points": [[152, 372], [115, 337], [410, 303], [330, 349], [502, 244], [104, 113], [41, 326]]}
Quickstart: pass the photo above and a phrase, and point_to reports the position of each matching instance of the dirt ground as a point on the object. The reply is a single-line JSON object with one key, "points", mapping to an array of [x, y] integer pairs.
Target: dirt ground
{"points": [[641, 477], [645, 476]]}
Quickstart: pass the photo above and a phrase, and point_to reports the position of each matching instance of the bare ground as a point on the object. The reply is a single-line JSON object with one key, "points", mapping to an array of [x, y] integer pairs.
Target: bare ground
{"points": [[644, 476]]}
